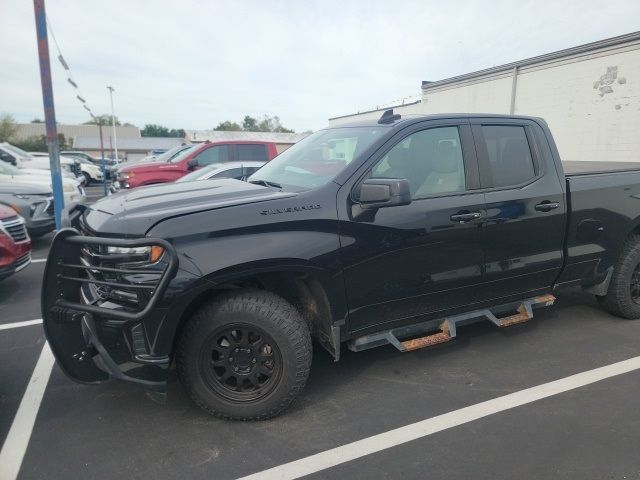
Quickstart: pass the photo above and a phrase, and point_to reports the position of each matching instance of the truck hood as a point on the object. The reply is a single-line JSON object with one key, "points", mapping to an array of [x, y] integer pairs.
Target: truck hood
{"points": [[134, 212], [24, 189], [149, 167]]}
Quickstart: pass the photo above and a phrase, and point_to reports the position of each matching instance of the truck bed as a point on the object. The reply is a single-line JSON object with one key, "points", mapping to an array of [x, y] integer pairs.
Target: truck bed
{"points": [[573, 168], [603, 206]]}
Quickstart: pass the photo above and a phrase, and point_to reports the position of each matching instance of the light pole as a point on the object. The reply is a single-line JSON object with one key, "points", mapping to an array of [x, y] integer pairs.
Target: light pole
{"points": [[49, 113], [113, 124]]}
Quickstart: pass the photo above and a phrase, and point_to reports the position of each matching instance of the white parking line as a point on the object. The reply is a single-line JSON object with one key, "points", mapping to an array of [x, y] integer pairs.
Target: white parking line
{"points": [[15, 445], [38, 260], [26, 323], [392, 438]]}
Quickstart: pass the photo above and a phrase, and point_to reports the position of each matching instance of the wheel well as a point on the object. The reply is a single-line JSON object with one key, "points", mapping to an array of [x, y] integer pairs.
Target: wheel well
{"points": [[300, 289]]}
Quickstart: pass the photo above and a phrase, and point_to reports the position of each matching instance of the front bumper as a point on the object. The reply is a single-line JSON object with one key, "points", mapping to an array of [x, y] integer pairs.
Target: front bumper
{"points": [[96, 338]]}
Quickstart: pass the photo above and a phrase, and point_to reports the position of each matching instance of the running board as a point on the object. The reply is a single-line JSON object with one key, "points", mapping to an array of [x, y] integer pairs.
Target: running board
{"points": [[434, 332]]}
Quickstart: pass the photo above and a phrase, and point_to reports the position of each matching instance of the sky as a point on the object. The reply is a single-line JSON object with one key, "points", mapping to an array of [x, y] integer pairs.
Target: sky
{"points": [[192, 64]]}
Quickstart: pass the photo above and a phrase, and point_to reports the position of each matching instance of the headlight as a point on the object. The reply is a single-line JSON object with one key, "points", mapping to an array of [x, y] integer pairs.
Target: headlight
{"points": [[24, 197], [154, 252], [126, 176]]}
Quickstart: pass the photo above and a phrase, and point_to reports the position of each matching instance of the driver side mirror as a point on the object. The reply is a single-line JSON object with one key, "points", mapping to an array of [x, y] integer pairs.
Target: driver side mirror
{"points": [[384, 192]]}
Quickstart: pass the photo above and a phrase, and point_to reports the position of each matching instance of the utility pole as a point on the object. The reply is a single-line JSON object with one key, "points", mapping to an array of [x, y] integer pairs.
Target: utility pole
{"points": [[49, 109], [104, 168], [113, 124]]}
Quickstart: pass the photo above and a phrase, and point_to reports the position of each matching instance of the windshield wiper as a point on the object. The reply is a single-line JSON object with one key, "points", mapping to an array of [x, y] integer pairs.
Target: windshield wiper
{"points": [[266, 184]]}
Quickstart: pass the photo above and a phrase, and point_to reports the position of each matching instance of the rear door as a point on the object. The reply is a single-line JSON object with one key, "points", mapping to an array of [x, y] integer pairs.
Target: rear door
{"points": [[523, 232]]}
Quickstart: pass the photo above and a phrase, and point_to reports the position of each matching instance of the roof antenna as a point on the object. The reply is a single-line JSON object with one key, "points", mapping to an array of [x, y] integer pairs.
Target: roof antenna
{"points": [[389, 117]]}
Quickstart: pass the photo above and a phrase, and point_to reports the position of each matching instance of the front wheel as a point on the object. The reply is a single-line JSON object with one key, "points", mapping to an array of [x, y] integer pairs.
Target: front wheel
{"points": [[623, 297], [245, 355]]}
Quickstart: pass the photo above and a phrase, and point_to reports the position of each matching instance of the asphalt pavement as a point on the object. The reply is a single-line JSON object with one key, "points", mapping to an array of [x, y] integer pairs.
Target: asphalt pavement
{"points": [[115, 430]]}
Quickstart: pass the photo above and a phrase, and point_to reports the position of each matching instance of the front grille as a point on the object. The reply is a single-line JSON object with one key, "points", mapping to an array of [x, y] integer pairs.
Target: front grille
{"points": [[125, 279], [14, 226], [23, 261]]}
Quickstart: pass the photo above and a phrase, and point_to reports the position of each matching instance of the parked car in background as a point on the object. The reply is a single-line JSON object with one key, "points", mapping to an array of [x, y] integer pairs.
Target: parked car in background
{"points": [[15, 244], [70, 167], [237, 170], [165, 157], [191, 159], [12, 154], [90, 171], [33, 202], [86, 156], [72, 189]]}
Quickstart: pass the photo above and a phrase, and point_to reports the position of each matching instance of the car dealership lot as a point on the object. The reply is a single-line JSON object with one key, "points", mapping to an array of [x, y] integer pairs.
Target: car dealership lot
{"points": [[115, 430]]}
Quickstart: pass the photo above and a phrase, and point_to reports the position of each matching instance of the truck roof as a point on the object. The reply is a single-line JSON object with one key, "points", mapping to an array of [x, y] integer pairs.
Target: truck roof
{"points": [[412, 118]]}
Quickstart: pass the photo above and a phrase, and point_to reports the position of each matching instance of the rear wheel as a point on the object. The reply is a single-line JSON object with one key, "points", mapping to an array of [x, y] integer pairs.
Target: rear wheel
{"points": [[623, 297], [245, 355]]}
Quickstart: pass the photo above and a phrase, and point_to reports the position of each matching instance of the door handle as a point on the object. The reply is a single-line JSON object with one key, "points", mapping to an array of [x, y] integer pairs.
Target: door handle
{"points": [[464, 217], [547, 206]]}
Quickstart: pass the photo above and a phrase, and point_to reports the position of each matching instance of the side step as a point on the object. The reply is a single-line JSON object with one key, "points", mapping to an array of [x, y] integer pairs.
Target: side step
{"points": [[434, 332]]}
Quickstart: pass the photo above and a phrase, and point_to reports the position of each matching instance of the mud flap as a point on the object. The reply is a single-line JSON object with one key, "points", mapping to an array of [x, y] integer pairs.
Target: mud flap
{"points": [[63, 326]]}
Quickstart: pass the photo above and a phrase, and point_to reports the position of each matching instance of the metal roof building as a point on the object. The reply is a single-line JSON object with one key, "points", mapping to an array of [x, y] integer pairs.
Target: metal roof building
{"points": [[282, 140], [129, 148], [26, 130], [219, 136]]}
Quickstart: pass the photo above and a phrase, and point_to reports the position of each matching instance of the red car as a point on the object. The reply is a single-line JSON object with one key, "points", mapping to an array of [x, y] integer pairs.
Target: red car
{"points": [[15, 244], [193, 158]]}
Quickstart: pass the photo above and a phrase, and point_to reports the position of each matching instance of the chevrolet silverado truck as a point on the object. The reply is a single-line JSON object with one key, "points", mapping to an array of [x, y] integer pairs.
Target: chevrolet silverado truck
{"points": [[395, 232]]}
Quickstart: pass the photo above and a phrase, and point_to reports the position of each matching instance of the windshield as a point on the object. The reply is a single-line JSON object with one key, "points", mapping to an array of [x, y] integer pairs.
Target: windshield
{"points": [[195, 175], [317, 159], [16, 150], [176, 156], [7, 169]]}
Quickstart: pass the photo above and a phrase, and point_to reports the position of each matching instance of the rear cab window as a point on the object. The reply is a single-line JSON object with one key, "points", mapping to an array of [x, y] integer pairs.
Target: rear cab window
{"points": [[505, 154], [252, 152]]}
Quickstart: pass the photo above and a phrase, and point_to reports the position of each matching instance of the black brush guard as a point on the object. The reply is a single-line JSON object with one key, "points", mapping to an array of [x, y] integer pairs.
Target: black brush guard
{"points": [[69, 324]]}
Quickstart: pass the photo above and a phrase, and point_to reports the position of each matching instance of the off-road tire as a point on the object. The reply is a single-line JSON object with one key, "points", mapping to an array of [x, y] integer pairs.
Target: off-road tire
{"points": [[252, 307], [618, 300]]}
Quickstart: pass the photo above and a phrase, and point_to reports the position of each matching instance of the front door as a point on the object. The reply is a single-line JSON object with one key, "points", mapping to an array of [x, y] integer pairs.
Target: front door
{"points": [[402, 262]]}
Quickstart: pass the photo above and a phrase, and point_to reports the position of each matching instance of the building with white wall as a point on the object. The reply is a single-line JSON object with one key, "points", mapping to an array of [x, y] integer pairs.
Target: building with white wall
{"points": [[589, 95]]}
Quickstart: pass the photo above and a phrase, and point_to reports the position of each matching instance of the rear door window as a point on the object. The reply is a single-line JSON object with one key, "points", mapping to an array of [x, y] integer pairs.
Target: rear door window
{"points": [[253, 153], [508, 154]]}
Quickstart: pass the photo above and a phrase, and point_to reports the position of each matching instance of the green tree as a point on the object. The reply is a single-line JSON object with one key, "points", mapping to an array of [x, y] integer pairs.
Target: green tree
{"points": [[8, 127], [265, 123], [249, 124], [272, 124], [103, 119], [39, 143], [153, 130], [228, 126]]}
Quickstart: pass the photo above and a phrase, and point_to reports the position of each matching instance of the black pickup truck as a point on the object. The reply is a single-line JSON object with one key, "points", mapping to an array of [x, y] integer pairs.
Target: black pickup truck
{"points": [[396, 231]]}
